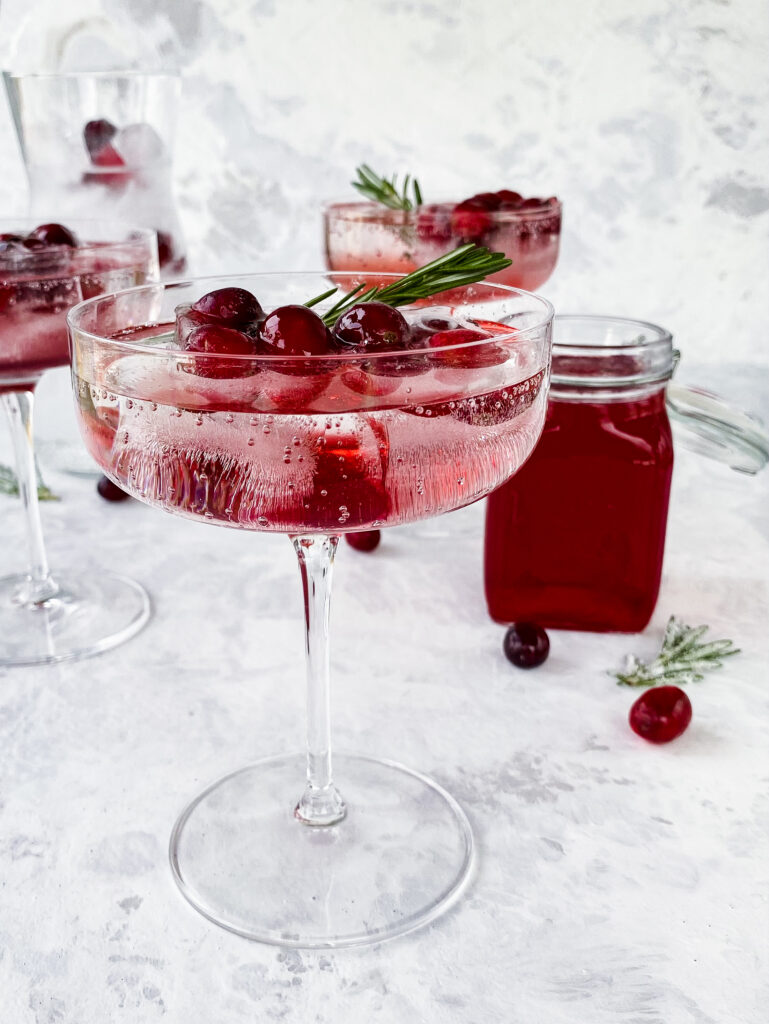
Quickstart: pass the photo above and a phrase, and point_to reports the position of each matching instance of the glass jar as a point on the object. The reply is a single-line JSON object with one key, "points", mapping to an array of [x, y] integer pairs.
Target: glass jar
{"points": [[576, 539]]}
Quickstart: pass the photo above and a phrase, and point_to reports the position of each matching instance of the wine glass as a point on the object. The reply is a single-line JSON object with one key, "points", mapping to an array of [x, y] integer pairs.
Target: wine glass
{"points": [[313, 447], [78, 612], [367, 236]]}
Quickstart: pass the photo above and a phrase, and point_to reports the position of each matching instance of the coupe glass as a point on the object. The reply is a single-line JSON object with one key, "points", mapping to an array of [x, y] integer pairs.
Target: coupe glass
{"points": [[367, 236], [80, 612], [312, 447], [100, 144]]}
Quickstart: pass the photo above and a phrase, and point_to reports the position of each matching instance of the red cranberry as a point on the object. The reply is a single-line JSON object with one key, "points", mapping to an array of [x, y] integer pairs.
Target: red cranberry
{"points": [[372, 326], [526, 644], [165, 248], [54, 234], [234, 307], [293, 331], [465, 358], [210, 340], [98, 135], [470, 223], [509, 200], [34, 244], [434, 224], [110, 491], [532, 204], [365, 541], [661, 714], [486, 201]]}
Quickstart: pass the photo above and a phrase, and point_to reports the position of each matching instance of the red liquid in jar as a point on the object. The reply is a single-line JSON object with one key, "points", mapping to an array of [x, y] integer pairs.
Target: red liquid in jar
{"points": [[575, 540]]}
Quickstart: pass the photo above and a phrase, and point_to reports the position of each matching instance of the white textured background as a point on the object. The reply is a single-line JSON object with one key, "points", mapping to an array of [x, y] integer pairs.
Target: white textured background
{"points": [[618, 883], [649, 118]]}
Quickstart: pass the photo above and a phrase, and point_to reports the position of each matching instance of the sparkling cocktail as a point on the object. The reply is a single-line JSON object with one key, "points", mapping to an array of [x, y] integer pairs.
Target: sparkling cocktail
{"points": [[216, 417], [44, 270]]}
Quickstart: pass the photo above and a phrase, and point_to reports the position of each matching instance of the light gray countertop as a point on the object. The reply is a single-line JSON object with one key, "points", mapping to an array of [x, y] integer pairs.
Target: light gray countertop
{"points": [[618, 882]]}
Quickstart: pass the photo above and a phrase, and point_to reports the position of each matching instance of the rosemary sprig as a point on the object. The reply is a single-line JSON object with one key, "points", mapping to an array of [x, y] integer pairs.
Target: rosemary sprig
{"points": [[465, 265], [10, 485], [682, 659], [385, 191]]}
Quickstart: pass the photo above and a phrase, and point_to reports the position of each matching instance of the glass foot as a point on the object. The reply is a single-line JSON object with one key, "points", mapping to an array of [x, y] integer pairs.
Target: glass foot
{"points": [[402, 855], [91, 613]]}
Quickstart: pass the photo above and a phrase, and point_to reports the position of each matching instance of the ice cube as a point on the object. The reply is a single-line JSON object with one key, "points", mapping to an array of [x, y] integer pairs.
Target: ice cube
{"points": [[139, 145]]}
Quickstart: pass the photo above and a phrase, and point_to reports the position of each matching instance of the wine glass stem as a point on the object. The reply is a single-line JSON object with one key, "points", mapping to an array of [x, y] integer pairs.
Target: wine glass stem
{"points": [[39, 587], [320, 803]]}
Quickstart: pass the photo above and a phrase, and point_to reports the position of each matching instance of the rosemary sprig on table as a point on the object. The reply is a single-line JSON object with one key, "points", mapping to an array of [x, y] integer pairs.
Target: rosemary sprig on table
{"points": [[683, 658], [10, 485], [385, 191], [465, 265]]}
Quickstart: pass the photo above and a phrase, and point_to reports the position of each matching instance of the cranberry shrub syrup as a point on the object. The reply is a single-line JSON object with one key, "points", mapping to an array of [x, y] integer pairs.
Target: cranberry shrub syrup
{"points": [[576, 539]]}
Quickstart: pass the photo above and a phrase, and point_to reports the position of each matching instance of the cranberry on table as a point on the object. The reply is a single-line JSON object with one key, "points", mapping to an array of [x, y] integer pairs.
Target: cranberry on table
{"points": [[365, 541], [293, 331], [526, 644], [53, 234], [661, 714], [212, 340], [374, 326], [234, 307], [110, 491]]}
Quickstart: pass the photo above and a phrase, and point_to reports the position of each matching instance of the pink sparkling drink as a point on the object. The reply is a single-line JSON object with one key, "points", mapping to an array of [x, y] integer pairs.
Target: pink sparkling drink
{"points": [[234, 403]]}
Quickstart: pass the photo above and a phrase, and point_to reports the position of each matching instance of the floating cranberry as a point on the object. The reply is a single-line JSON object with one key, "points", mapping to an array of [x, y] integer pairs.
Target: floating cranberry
{"points": [[213, 340], [54, 234], [34, 244], [98, 134], [110, 491], [294, 331], [533, 204], [471, 357], [234, 307], [365, 541], [470, 221], [661, 714], [165, 248], [509, 200], [372, 326], [434, 224], [526, 645]]}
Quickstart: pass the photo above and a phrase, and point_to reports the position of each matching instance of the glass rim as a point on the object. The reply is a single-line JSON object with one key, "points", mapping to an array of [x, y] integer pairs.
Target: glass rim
{"points": [[28, 260], [659, 346], [116, 73], [547, 210], [77, 311]]}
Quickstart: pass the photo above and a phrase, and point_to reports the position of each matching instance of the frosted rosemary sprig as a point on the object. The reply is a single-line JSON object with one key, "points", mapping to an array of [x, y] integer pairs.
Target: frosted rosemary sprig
{"points": [[10, 485], [682, 659], [465, 265], [385, 191]]}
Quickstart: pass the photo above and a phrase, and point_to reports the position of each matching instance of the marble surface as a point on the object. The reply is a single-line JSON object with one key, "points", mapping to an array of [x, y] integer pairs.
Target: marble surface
{"points": [[617, 881]]}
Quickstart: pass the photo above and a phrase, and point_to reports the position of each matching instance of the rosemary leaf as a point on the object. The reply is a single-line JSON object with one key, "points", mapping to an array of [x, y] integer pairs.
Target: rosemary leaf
{"points": [[386, 191], [682, 659]]}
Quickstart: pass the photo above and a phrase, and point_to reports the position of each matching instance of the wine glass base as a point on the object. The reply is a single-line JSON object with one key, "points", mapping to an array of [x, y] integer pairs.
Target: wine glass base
{"points": [[400, 858], [91, 613]]}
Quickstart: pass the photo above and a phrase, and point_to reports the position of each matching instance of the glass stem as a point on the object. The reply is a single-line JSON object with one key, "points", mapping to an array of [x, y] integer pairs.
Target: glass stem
{"points": [[39, 587], [320, 803]]}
